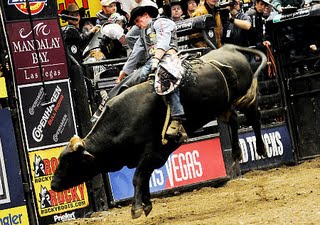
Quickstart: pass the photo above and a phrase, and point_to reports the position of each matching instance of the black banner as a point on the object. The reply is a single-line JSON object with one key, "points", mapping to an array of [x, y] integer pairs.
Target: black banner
{"points": [[48, 116]]}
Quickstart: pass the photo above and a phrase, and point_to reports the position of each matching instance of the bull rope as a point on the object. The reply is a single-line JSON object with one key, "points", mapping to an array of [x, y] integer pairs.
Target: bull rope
{"points": [[211, 62], [166, 123]]}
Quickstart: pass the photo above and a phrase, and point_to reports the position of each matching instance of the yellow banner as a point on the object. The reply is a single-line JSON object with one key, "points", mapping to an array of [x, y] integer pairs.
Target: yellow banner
{"points": [[49, 202], [92, 6], [17, 215], [3, 88]]}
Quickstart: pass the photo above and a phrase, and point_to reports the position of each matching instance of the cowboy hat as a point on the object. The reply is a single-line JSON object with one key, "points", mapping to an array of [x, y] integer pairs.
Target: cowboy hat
{"points": [[186, 1], [176, 2], [140, 10], [268, 2], [73, 7], [107, 2]]}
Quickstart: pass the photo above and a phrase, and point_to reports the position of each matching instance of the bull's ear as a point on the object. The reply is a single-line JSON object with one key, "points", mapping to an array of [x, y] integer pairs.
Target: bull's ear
{"points": [[76, 143]]}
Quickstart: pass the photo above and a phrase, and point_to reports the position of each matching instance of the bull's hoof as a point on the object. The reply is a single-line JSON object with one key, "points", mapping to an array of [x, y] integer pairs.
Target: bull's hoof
{"points": [[147, 209], [136, 213], [235, 170], [262, 151]]}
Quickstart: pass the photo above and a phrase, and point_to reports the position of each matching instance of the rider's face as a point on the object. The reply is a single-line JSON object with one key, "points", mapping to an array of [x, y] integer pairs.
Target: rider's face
{"points": [[142, 21]]}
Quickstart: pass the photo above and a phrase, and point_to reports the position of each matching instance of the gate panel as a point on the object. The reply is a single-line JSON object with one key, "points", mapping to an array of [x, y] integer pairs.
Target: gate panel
{"points": [[293, 37]]}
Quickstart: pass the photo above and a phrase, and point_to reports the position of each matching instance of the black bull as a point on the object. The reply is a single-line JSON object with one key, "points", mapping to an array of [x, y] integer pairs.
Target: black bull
{"points": [[129, 130]]}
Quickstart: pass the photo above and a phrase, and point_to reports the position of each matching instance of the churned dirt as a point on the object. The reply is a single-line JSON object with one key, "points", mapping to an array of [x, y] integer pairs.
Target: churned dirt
{"points": [[285, 195]]}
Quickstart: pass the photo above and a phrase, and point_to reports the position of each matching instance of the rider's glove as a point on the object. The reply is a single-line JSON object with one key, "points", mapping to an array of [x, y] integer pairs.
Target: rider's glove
{"points": [[154, 64]]}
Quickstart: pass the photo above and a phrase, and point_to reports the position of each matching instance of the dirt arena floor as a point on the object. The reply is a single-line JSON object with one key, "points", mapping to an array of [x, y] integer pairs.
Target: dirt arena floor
{"points": [[285, 195]]}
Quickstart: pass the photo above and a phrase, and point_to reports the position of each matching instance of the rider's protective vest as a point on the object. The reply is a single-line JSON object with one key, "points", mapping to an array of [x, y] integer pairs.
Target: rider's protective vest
{"points": [[149, 38]]}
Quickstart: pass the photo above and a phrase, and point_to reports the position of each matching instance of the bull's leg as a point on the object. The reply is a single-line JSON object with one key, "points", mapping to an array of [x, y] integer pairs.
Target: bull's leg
{"points": [[236, 150], [253, 117], [146, 198], [141, 200], [234, 126], [141, 196]]}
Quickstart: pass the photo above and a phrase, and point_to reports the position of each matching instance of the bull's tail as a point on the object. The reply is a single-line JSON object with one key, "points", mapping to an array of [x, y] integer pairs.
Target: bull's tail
{"points": [[251, 95]]}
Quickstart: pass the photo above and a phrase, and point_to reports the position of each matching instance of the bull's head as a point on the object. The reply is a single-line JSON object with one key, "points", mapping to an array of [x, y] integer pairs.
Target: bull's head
{"points": [[76, 165]]}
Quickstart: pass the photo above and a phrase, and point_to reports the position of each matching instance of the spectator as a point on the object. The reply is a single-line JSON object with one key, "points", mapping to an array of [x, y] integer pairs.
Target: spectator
{"points": [[176, 10], [209, 7], [108, 8], [74, 38], [236, 27], [177, 15], [190, 7], [109, 43], [256, 35]]}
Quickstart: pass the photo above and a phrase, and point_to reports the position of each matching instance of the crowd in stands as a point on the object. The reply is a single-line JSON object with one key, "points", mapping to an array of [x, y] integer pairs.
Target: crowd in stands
{"points": [[234, 23], [131, 29]]}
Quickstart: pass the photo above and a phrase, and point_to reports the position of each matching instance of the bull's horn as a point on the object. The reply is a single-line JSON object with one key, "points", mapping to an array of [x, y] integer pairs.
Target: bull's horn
{"points": [[75, 143], [88, 153]]}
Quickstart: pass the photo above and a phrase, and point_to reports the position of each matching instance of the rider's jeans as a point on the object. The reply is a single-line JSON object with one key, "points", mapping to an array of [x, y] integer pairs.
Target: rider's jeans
{"points": [[176, 106], [173, 97]]}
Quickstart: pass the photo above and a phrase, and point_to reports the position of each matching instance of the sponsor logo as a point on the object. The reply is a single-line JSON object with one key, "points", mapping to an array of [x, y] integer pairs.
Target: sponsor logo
{"points": [[273, 143], [49, 116], [36, 6], [64, 217], [11, 219], [12, 216]]}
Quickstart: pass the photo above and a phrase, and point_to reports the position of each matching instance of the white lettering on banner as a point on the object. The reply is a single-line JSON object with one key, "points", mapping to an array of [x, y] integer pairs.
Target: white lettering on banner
{"points": [[272, 141], [183, 166], [37, 132], [32, 45], [37, 101], [42, 56], [274, 145], [156, 179], [42, 45], [64, 217], [243, 146], [39, 28]]}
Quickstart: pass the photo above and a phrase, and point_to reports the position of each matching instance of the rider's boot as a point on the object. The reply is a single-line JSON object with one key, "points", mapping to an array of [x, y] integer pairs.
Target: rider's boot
{"points": [[175, 128]]}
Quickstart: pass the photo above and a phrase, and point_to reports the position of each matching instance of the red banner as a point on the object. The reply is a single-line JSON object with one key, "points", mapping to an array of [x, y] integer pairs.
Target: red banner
{"points": [[38, 52]]}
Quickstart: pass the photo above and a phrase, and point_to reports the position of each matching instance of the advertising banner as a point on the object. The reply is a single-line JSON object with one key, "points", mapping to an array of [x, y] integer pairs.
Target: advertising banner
{"points": [[47, 122], [49, 202], [277, 141], [38, 52], [3, 88], [92, 7], [16, 215], [17, 10], [190, 164], [12, 201]]}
